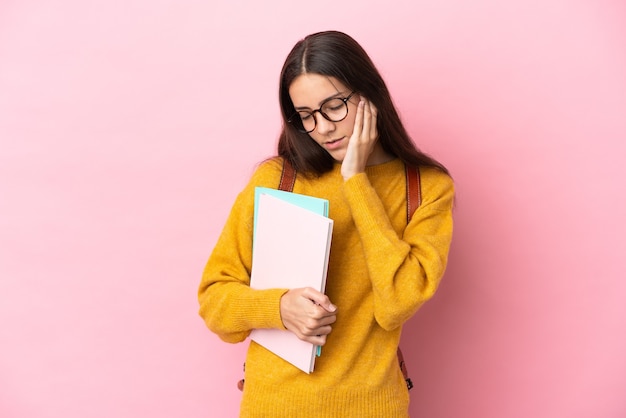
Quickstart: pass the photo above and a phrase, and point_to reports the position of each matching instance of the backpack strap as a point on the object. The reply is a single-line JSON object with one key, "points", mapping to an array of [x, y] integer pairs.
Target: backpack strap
{"points": [[287, 177], [413, 201], [413, 191], [405, 372]]}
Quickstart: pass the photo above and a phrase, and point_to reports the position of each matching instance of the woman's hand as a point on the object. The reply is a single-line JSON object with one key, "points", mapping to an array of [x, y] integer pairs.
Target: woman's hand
{"points": [[308, 314], [362, 141]]}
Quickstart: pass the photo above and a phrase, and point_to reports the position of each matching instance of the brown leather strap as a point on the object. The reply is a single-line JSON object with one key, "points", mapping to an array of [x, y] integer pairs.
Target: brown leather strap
{"points": [[413, 201], [405, 372], [413, 191], [288, 177]]}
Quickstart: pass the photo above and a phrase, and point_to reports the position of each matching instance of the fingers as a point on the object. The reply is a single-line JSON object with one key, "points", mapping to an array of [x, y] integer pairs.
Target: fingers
{"points": [[308, 313], [365, 127], [363, 139], [367, 119], [373, 129], [319, 299], [370, 114], [358, 120], [316, 326]]}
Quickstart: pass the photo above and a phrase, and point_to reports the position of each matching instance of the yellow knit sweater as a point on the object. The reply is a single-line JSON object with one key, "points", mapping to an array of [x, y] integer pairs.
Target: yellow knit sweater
{"points": [[380, 272]]}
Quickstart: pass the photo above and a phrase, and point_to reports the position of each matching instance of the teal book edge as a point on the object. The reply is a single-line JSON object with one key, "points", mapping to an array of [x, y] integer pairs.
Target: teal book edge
{"points": [[314, 204]]}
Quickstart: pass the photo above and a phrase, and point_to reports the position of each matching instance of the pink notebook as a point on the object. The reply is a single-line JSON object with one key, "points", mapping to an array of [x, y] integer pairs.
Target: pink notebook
{"points": [[290, 250]]}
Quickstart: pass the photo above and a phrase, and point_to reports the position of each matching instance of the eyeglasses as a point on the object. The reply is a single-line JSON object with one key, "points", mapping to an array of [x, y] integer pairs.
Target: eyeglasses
{"points": [[334, 109]]}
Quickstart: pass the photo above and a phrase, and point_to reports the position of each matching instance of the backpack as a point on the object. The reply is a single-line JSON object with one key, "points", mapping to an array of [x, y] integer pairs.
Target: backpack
{"points": [[413, 199]]}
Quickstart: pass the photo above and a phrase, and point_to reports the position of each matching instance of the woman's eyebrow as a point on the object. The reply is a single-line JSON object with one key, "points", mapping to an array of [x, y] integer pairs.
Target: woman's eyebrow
{"points": [[334, 96]]}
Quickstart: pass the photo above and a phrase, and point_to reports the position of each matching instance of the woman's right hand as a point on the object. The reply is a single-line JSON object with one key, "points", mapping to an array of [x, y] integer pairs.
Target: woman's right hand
{"points": [[363, 140], [308, 314]]}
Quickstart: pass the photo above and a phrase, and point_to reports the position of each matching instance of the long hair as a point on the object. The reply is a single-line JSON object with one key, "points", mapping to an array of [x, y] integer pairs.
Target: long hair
{"points": [[337, 55]]}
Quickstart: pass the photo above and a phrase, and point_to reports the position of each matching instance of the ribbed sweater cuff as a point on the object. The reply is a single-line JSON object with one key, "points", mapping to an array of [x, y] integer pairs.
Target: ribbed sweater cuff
{"points": [[262, 308]]}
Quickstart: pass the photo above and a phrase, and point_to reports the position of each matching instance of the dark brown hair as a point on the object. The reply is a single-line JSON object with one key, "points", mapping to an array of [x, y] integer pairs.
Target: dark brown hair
{"points": [[337, 55]]}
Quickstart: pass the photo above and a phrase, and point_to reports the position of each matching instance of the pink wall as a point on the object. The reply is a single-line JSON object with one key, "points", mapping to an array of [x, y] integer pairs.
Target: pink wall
{"points": [[127, 128]]}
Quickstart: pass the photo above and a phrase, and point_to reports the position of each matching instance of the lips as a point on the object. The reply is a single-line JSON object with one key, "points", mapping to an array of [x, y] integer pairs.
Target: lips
{"points": [[333, 143]]}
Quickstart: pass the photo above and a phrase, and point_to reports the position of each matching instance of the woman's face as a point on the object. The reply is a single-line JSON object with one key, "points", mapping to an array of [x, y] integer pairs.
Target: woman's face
{"points": [[308, 92]]}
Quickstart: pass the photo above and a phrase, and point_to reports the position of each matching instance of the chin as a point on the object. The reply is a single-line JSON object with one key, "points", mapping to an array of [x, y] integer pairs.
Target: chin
{"points": [[338, 156]]}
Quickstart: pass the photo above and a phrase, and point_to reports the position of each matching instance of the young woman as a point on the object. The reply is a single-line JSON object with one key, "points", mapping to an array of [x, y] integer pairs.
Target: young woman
{"points": [[345, 139]]}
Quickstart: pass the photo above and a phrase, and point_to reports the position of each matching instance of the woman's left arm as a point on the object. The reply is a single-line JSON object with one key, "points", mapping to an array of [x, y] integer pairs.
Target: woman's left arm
{"points": [[406, 270]]}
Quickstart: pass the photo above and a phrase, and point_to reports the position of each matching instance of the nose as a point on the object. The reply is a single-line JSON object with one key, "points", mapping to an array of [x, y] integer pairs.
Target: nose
{"points": [[323, 125]]}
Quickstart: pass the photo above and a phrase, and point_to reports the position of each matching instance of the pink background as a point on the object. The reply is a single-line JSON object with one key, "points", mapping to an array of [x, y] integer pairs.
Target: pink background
{"points": [[127, 128]]}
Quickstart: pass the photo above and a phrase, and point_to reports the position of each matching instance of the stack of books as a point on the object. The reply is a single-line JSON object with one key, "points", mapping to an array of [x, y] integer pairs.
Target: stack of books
{"points": [[291, 246]]}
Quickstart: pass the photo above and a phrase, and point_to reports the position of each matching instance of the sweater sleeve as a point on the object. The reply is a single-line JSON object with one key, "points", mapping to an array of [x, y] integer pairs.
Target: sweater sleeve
{"points": [[406, 270], [229, 307]]}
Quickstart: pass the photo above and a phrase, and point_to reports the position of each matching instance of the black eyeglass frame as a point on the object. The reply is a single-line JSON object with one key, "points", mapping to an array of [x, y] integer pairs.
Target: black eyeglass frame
{"points": [[295, 119]]}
